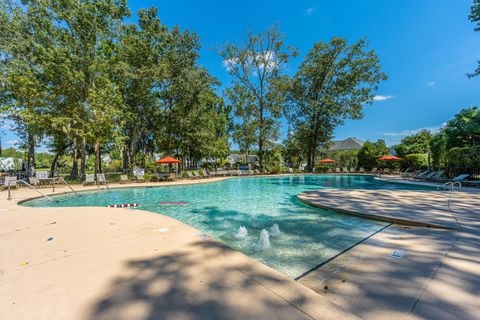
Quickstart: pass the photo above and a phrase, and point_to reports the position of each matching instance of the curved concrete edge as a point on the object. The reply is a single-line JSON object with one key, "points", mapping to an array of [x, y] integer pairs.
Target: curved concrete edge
{"points": [[275, 284], [405, 222]]}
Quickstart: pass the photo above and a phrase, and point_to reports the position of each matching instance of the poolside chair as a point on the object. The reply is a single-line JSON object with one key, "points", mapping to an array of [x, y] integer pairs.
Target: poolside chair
{"points": [[206, 174], [386, 171], [406, 173], [9, 180], [459, 178], [101, 179], [344, 169], [196, 175], [140, 178], [89, 179], [124, 178], [34, 181], [256, 171], [436, 176], [337, 170], [374, 170], [361, 170], [290, 170], [351, 170], [427, 176], [190, 175]]}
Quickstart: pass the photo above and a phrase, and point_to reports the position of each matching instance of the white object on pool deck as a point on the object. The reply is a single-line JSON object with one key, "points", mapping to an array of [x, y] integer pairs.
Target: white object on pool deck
{"points": [[201, 235], [163, 230], [263, 242], [275, 230], [398, 253], [241, 233]]}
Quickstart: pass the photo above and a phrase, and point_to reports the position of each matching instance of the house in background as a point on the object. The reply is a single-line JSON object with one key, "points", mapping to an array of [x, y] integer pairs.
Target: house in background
{"points": [[347, 144]]}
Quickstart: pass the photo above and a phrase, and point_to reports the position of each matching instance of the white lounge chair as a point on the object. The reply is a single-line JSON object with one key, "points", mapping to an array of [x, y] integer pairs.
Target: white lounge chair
{"points": [[101, 179], [89, 179], [124, 178], [12, 181], [140, 178]]}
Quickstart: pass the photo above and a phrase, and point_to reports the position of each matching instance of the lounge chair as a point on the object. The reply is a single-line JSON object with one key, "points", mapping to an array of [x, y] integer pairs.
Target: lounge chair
{"points": [[374, 170], [206, 174], [89, 179], [344, 169], [337, 170], [9, 180], [124, 178], [196, 175], [427, 176], [190, 175], [256, 171], [290, 170], [406, 173], [361, 170], [140, 178], [34, 181], [386, 171], [459, 178], [101, 179], [351, 170]]}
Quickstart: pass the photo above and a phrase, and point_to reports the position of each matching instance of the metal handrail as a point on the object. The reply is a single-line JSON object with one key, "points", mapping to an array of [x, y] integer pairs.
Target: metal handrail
{"points": [[452, 184], [27, 184]]}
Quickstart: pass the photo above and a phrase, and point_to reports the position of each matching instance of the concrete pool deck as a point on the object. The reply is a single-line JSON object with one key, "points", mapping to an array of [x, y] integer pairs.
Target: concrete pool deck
{"points": [[109, 263], [438, 275], [106, 263]]}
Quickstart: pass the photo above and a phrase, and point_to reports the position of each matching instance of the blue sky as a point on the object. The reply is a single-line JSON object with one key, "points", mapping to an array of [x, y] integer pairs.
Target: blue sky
{"points": [[426, 47]]}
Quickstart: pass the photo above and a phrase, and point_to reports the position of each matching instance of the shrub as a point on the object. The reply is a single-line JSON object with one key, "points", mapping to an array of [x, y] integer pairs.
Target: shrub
{"points": [[464, 160], [417, 160]]}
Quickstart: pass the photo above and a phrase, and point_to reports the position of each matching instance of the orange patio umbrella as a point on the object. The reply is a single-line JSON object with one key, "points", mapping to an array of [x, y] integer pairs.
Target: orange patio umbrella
{"points": [[327, 161], [390, 158], [167, 160]]}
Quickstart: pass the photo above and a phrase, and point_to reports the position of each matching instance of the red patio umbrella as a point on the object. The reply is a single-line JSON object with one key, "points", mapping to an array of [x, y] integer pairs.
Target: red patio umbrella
{"points": [[389, 158], [167, 160], [327, 161]]}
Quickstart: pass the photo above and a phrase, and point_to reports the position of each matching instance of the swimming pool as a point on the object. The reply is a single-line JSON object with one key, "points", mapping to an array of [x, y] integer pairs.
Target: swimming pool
{"points": [[308, 236]]}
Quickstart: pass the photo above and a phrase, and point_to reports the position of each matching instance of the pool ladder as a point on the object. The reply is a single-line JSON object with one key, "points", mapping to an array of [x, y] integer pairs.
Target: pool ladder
{"points": [[452, 184], [60, 179]]}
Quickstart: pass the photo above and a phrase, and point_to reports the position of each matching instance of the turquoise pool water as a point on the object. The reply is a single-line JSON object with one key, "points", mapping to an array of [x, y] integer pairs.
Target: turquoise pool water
{"points": [[309, 236]]}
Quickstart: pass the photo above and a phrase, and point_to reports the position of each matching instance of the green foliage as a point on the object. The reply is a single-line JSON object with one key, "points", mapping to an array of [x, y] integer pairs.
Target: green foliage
{"points": [[417, 143], [417, 160], [255, 66], [475, 18], [370, 152], [333, 83], [438, 147], [464, 160], [464, 129], [345, 158]]}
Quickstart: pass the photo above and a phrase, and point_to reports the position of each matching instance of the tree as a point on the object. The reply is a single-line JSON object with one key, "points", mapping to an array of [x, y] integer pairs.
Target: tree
{"points": [[370, 152], [475, 18], [255, 66], [438, 147], [417, 143], [332, 84], [464, 129], [244, 132]]}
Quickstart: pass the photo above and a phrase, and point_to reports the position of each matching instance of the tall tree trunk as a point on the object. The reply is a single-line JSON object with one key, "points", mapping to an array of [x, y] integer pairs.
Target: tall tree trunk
{"points": [[55, 159], [83, 158], [31, 155], [125, 157], [97, 158], [74, 173]]}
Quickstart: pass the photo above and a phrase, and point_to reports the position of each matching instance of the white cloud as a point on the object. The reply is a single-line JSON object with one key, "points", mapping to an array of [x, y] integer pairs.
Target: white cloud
{"points": [[404, 133], [310, 11], [266, 60], [431, 83], [381, 98]]}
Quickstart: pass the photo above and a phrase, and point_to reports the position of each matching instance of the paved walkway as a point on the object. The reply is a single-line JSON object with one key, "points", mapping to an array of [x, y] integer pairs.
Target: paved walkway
{"points": [[438, 276], [106, 263]]}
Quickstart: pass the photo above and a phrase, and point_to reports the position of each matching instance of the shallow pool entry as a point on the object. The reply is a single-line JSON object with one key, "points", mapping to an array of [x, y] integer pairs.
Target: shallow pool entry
{"points": [[258, 216]]}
